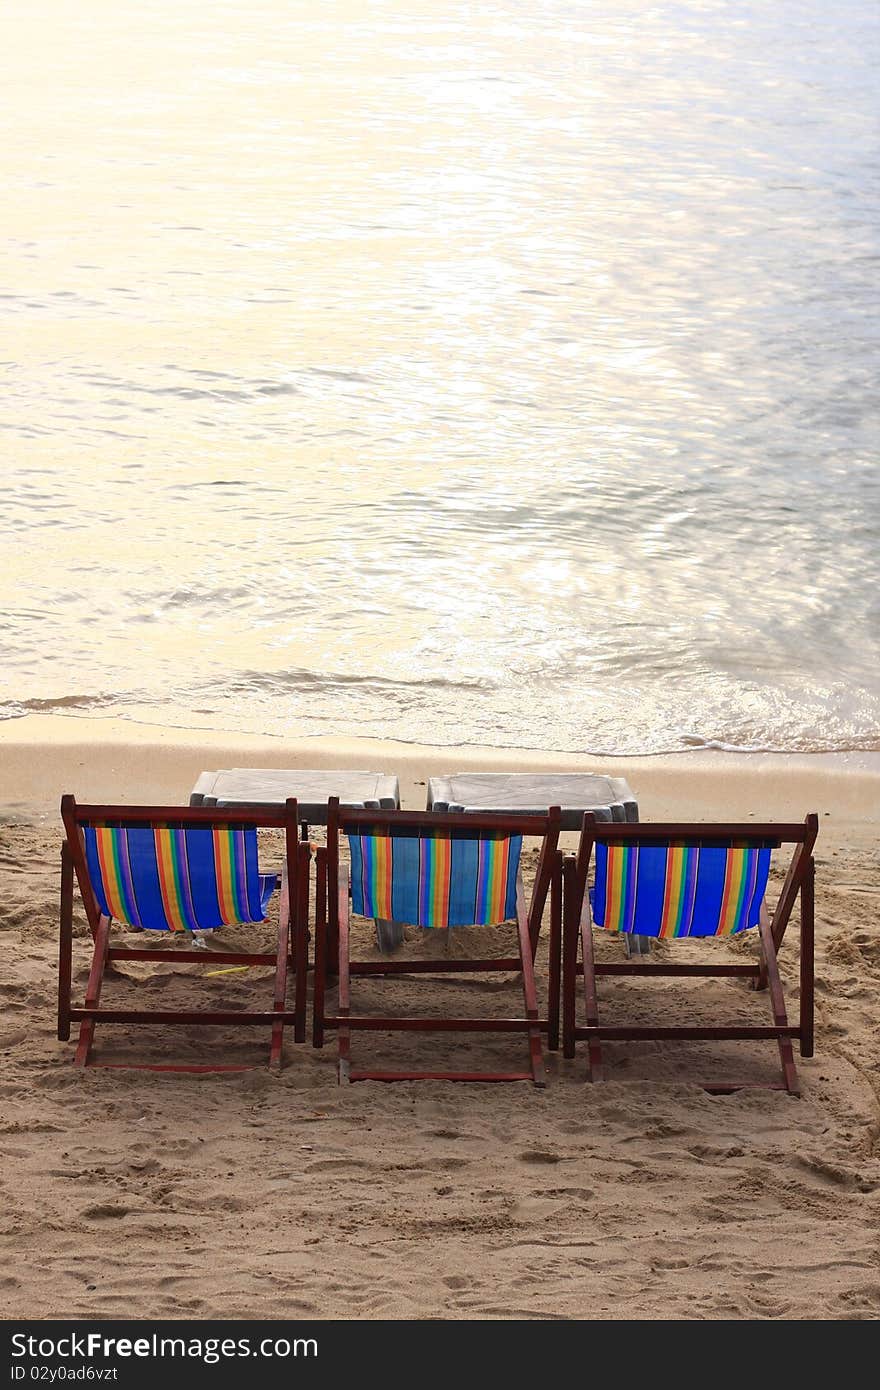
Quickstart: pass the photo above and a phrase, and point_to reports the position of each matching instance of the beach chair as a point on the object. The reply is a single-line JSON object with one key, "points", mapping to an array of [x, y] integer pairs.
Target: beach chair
{"points": [[670, 881], [181, 871], [436, 872]]}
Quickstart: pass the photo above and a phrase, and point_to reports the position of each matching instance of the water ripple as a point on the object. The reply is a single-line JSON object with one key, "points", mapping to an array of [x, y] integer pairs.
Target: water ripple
{"points": [[496, 376]]}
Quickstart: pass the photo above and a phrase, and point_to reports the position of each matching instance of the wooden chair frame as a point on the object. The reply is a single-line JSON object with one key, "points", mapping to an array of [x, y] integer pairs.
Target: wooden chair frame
{"points": [[764, 974], [332, 941], [291, 953]]}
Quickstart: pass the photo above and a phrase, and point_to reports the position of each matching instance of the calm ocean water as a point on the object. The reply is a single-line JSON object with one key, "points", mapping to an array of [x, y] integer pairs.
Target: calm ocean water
{"points": [[499, 374]]}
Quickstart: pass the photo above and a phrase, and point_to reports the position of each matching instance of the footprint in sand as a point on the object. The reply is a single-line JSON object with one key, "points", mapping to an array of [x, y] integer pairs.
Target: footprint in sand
{"points": [[142, 1166], [834, 1173], [104, 1211], [584, 1194], [340, 1165]]}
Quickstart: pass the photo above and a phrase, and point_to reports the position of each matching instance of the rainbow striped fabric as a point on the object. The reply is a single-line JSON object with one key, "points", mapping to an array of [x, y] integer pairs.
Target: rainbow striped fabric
{"points": [[435, 881], [680, 890], [166, 878]]}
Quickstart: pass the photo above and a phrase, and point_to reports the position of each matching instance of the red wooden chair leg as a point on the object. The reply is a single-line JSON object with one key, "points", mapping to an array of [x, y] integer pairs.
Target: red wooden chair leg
{"points": [[280, 998], [65, 945], [301, 943], [777, 1004], [554, 963], [569, 958], [594, 1045], [808, 979], [530, 993], [93, 992], [343, 1032], [320, 977]]}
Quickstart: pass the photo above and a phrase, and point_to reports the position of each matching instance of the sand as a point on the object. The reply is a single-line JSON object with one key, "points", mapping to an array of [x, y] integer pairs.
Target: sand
{"points": [[129, 1193]]}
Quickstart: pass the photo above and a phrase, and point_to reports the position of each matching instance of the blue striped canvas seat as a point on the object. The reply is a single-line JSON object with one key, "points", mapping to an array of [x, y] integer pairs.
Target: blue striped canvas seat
{"points": [[174, 879], [451, 880], [679, 890]]}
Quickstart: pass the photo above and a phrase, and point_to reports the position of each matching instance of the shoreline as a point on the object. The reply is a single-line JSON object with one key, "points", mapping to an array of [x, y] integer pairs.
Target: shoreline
{"points": [[58, 711], [42, 756]]}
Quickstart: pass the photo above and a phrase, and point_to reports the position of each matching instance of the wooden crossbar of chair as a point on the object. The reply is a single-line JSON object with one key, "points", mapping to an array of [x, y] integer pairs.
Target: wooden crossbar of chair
{"points": [[291, 952], [577, 931], [332, 944]]}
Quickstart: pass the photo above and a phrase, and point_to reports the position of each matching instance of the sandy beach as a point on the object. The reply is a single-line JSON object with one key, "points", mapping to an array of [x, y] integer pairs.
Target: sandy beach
{"points": [[131, 1193]]}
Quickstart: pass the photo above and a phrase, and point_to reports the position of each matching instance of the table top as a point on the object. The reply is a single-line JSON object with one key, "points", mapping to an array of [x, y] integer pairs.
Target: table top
{"points": [[532, 793], [270, 787]]}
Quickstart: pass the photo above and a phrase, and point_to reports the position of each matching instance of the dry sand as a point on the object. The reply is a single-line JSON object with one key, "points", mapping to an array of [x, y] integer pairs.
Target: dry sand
{"points": [[130, 1193]]}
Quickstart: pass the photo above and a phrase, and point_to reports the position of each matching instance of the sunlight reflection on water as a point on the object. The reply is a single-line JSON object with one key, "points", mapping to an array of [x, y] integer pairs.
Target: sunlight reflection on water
{"points": [[474, 378]]}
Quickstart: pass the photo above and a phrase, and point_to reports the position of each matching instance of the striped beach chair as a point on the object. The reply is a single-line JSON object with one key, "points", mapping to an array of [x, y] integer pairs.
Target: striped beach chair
{"points": [[436, 872], [183, 872], [671, 881]]}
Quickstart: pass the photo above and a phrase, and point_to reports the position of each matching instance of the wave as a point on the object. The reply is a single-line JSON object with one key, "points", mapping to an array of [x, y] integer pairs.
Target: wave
{"points": [[114, 708], [298, 678], [60, 704]]}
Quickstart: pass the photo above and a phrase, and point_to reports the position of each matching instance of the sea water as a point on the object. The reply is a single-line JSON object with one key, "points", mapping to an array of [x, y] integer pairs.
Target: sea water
{"points": [[469, 374]]}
